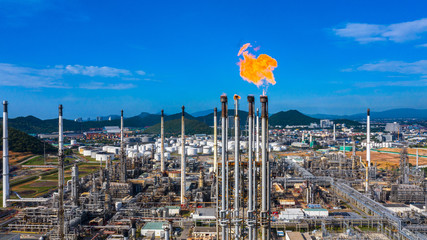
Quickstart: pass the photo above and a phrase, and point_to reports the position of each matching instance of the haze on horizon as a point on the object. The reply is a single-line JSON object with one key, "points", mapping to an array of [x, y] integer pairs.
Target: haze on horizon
{"points": [[98, 57]]}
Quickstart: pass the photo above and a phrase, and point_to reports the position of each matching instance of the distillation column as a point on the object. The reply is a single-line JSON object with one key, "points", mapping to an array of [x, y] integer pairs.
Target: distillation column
{"points": [[183, 157], [6, 190], [251, 197], [223, 212], [61, 177], [75, 185]]}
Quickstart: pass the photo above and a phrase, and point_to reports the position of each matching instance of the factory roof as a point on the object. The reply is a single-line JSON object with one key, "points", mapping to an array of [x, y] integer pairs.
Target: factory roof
{"points": [[395, 205], [315, 209], [153, 226]]}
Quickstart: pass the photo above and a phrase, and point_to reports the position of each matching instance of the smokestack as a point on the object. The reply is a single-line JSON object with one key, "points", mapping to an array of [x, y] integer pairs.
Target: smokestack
{"points": [[61, 177], [237, 220], [183, 157], [162, 143], [265, 171], [6, 190], [215, 143], [368, 148], [123, 171], [417, 157], [334, 133], [255, 171], [251, 197], [223, 212]]}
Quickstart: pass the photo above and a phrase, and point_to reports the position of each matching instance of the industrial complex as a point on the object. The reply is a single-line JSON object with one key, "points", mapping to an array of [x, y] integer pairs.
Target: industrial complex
{"points": [[247, 180]]}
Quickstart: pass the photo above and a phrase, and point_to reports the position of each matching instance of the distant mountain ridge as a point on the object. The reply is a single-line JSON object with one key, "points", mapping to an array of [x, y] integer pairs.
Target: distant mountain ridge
{"points": [[31, 124], [397, 113]]}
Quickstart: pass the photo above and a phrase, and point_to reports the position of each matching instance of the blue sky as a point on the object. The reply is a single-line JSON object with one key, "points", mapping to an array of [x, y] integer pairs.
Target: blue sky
{"points": [[97, 57]]}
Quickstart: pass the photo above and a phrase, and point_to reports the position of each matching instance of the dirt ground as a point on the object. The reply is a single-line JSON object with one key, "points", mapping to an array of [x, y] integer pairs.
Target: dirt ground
{"points": [[390, 160], [16, 156]]}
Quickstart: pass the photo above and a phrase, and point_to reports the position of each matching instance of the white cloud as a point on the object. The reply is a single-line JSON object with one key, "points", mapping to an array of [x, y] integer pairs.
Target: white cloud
{"points": [[418, 67], [12, 75], [101, 85], [55, 77], [140, 72], [413, 83], [93, 71], [423, 45], [399, 32]]}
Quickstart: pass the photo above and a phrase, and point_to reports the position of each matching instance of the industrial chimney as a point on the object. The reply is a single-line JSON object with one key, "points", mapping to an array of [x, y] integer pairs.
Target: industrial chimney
{"points": [[223, 212], [162, 144], [265, 228], [123, 171], [237, 219], [6, 190], [251, 197], [368, 148], [61, 176], [183, 182]]}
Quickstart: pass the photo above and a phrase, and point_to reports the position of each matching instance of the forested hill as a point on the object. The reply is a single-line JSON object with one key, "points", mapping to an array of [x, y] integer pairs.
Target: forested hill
{"points": [[22, 142]]}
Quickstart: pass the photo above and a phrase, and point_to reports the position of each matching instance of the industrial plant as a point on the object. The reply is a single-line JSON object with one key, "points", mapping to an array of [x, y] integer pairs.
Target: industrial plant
{"points": [[248, 181]]}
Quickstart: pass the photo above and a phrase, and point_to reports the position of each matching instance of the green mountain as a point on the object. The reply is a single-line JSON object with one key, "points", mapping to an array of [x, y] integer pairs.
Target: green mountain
{"points": [[291, 117], [208, 119], [22, 142], [173, 127], [33, 125]]}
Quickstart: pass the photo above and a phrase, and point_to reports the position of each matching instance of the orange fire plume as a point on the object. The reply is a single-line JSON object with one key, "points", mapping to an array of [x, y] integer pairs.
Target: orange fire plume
{"points": [[256, 70]]}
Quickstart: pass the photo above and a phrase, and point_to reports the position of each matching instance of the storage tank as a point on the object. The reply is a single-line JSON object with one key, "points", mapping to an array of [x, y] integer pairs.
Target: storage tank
{"points": [[191, 151], [87, 153], [207, 150]]}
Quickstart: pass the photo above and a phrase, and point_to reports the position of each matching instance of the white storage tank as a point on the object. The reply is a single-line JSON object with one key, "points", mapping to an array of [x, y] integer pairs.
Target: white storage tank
{"points": [[207, 150], [87, 153], [73, 142], [191, 151]]}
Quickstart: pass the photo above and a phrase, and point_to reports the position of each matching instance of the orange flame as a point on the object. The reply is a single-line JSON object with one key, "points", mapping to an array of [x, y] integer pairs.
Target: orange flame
{"points": [[256, 70], [236, 97]]}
